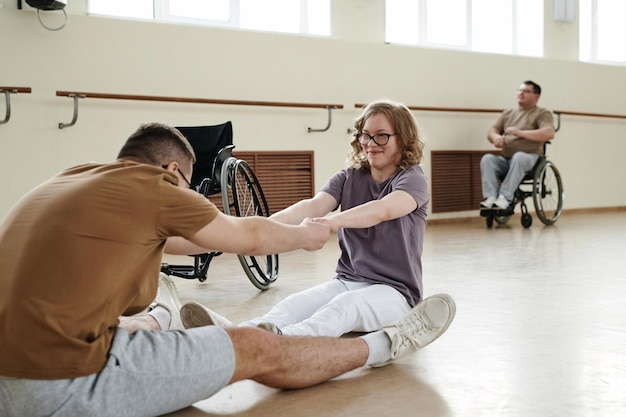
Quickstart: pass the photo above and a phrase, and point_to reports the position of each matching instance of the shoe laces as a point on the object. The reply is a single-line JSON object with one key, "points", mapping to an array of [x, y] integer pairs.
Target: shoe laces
{"points": [[409, 331]]}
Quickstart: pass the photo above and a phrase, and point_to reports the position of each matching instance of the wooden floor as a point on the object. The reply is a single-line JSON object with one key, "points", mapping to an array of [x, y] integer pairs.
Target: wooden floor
{"points": [[540, 329]]}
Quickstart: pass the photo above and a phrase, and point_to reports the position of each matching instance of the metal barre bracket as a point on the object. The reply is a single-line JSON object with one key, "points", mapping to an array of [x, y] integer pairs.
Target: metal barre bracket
{"points": [[75, 116], [330, 114], [7, 96]]}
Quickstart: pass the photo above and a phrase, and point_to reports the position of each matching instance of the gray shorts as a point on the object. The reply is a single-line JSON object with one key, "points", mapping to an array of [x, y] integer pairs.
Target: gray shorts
{"points": [[147, 374]]}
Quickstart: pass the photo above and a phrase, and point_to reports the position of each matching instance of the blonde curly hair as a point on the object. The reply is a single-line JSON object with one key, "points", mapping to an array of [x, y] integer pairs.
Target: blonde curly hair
{"points": [[405, 127]]}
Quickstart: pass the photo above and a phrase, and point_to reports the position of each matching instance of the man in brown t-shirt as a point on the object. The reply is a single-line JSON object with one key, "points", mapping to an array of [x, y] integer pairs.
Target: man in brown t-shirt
{"points": [[85, 248], [520, 134]]}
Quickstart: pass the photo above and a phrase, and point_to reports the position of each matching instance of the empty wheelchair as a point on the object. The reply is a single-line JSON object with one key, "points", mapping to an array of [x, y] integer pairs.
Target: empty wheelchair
{"points": [[216, 171], [543, 183]]}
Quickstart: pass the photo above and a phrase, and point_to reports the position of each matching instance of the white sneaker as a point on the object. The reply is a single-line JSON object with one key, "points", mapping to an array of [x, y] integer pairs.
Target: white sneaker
{"points": [[423, 325], [502, 203], [167, 297], [193, 314], [488, 202], [270, 327]]}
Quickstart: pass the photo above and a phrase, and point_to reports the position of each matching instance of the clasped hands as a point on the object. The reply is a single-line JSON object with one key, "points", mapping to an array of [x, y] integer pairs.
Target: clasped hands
{"points": [[512, 133]]}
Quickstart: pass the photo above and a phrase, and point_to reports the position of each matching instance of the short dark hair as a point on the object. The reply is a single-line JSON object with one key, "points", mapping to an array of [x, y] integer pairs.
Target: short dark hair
{"points": [[536, 87], [157, 144]]}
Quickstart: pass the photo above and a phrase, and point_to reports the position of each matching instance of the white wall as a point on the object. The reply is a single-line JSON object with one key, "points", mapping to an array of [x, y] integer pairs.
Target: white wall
{"points": [[130, 57]]}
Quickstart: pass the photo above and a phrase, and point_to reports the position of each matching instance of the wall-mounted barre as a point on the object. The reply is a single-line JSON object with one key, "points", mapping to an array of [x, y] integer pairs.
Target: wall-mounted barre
{"points": [[445, 109], [7, 95], [574, 113], [76, 95], [448, 109], [469, 110]]}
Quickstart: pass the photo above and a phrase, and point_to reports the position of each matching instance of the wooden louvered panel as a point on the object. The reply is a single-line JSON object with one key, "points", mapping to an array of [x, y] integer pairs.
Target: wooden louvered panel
{"points": [[279, 164], [217, 200], [286, 177], [456, 180], [477, 189]]}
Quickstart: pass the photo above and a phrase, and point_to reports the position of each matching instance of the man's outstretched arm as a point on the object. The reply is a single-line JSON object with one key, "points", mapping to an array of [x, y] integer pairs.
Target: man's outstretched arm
{"points": [[250, 236]]}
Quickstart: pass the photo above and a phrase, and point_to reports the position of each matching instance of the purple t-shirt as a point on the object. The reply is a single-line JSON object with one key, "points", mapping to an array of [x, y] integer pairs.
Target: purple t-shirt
{"points": [[389, 253]]}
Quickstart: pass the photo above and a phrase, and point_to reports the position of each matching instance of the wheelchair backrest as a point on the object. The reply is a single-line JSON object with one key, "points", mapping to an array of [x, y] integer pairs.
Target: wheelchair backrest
{"points": [[206, 142]]}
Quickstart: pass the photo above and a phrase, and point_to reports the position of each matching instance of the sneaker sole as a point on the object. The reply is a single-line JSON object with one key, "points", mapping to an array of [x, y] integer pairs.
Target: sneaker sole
{"points": [[452, 306], [194, 315], [269, 327]]}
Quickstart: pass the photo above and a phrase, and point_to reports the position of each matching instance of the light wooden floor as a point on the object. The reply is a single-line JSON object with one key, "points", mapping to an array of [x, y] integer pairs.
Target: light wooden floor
{"points": [[540, 329]]}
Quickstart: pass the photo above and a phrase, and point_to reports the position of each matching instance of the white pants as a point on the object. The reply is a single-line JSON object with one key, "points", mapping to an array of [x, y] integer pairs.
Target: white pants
{"points": [[336, 307]]}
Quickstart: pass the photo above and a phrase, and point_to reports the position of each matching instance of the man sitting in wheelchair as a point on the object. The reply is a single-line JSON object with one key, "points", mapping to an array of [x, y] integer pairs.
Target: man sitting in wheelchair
{"points": [[520, 134]]}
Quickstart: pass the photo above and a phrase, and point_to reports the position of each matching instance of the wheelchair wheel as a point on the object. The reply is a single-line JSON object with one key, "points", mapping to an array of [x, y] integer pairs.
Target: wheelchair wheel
{"points": [[242, 196], [548, 193], [502, 219], [492, 215], [526, 219]]}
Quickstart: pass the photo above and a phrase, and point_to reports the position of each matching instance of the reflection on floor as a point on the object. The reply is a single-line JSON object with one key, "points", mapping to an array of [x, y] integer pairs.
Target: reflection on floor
{"points": [[540, 329]]}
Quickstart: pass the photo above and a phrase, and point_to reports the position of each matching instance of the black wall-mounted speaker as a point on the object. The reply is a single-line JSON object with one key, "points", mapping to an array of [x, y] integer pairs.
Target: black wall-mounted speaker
{"points": [[47, 4]]}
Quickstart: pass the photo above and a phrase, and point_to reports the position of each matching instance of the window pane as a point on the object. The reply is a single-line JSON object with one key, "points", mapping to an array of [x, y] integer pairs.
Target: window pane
{"points": [[611, 30], [529, 27], [141, 9], [318, 17], [492, 26], [447, 22], [401, 17], [201, 9], [271, 15]]}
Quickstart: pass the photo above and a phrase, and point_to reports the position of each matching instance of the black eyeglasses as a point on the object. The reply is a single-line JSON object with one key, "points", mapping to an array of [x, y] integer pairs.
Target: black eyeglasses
{"points": [[181, 174], [380, 139], [185, 178]]}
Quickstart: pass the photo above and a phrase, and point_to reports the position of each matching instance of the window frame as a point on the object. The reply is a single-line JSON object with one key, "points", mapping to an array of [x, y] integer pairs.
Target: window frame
{"points": [[422, 22], [592, 40], [161, 13]]}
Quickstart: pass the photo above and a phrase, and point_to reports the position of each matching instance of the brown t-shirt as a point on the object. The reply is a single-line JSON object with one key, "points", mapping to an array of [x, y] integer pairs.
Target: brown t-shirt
{"points": [[79, 251], [528, 119]]}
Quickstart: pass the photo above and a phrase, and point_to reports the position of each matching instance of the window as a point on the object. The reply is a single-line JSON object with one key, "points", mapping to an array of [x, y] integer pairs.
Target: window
{"points": [[498, 26], [602, 31], [195, 11], [139, 9], [288, 16]]}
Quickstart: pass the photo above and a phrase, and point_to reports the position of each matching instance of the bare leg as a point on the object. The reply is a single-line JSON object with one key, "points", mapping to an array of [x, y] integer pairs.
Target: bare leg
{"points": [[293, 362], [138, 322]]}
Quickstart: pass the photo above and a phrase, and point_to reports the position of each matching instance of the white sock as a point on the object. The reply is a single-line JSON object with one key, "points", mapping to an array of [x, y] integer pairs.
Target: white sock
{"points": [[379, 345], [162, 316]]}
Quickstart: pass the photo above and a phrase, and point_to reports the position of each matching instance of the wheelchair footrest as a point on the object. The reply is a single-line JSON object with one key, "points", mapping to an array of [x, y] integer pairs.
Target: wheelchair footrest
{"points": [[497, 212], [181, 271]]}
